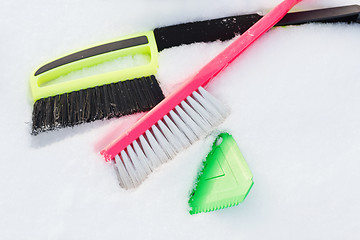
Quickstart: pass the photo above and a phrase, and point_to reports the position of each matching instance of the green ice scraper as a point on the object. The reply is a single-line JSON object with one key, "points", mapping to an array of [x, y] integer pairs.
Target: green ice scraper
{"points": [[225, 179]]}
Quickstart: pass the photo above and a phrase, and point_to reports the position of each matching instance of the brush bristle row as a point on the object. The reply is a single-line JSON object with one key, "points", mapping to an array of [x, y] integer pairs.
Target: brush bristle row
{"points": [[102, 102], [186, 123]]}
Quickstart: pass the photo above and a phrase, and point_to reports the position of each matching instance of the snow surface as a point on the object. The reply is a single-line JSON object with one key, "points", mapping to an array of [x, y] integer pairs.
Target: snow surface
{"points": [[294, 97]]}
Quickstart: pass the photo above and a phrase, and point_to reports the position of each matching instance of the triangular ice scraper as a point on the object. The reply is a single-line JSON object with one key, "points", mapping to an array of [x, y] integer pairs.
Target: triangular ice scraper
{"points": [[224, 180]]}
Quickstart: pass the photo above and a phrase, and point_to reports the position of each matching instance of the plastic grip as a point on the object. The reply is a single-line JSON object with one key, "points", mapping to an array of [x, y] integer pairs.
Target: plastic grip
{"points": [[143, 43]]}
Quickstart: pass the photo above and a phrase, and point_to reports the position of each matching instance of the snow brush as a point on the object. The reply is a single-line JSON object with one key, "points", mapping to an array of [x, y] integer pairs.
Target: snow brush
{"points": [[183, 116], [224, 180], [135, 89]]}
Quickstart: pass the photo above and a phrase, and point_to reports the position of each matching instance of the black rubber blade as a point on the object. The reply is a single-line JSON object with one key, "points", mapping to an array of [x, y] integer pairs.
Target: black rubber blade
{"points": [[102, 102], [346, 14], [226, 28]]}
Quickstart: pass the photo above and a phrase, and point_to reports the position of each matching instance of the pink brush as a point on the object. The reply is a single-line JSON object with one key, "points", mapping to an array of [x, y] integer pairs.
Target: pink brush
{"points": [[182, 117]]}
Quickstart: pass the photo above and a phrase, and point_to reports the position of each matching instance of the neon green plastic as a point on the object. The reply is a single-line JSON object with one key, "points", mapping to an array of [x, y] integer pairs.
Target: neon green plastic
{"points": [[225, 179], [150, 49]]}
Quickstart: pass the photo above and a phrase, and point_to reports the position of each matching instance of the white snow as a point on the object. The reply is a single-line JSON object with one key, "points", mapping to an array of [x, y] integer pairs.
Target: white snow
{"points": [[294, 97]]}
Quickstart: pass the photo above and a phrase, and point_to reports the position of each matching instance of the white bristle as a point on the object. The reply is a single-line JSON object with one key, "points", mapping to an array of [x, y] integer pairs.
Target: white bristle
{"points": [[123, 174], [139, 169], [208, 107], [173, 141], [189, 122], [121, 183], [163, 142], [180, 139], [130, 168], [182, 126], [202, 112], [202, 123], [156, 147], [149, 152], [221, 108], [142, 158]]}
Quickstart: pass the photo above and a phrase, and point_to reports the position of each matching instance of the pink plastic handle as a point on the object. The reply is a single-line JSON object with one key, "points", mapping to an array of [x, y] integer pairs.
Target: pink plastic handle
{"points": [[208, 72]]}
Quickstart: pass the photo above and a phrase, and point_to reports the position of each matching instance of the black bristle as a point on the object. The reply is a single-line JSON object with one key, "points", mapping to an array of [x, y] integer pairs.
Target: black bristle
{"points": [[133, 97], [81, 107], [114, 103], [129, 101], [107, 109], [68, 117], [72, 120], [77, 107], [86, 109], [91, 105], [147, 95], [152, 91], [36, 117], [41, 120], [57, 112], [49, 123], [151, 99], [69, 109], [136, 96], [124, 109], [203, 31], [103, 102], [155, 88], [141, 93], [64, 109], [99, 112]]}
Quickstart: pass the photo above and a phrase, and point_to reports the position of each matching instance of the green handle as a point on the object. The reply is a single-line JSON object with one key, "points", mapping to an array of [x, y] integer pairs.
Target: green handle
{"points": [[143, 43]]}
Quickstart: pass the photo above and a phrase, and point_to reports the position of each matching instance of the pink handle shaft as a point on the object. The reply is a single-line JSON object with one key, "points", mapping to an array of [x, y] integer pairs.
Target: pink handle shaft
{"points": [[208, 72]]}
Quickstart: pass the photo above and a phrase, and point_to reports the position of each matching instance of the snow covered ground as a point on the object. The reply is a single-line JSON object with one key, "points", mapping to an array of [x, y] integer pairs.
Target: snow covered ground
{"points": [[294, 97]]}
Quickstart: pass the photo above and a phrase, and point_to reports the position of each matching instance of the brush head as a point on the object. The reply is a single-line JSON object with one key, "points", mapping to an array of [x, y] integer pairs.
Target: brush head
{"points": [[225, 179], [115, 93], [186, 123], [102, 102]]}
